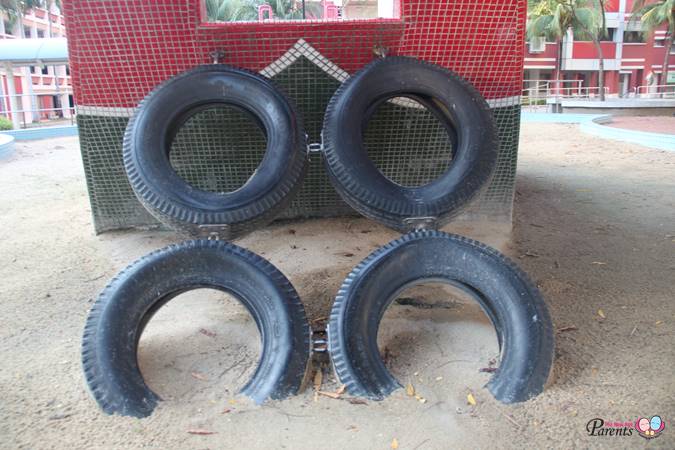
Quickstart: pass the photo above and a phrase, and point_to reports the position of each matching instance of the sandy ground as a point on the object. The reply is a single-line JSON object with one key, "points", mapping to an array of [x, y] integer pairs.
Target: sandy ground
{"points": [[659, 124], [594, 226]]}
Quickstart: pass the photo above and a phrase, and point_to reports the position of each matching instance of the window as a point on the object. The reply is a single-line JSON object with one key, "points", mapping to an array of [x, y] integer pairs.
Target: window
{"points": [[40, 34], [68, 70], [8, 27], [32, 69], [609, 35], [633, 37], [581, 35], [26, 33], [267, 10], [537, 44], [45, 70]]}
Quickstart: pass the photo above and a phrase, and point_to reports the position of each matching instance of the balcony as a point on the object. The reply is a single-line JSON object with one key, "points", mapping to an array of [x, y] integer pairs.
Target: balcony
{"points": [[545, 59]]}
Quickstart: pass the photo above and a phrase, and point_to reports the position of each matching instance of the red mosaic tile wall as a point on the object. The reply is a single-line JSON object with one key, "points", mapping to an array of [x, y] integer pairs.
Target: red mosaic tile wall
{"points": [[121, 49]]}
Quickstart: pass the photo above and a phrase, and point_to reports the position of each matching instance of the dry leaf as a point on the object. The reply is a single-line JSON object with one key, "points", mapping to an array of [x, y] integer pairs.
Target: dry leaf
{"points": [[394, 444], [439, 378], [318, 380], [488, 369], [199, 376], [232, 401], [200, 432], [329, 394], [470, 399], [421, 399], [410, 390], [658, 322], [599, 263], [601, 313], [570, 328], [226, 410], [357, 401], [206, 332]]}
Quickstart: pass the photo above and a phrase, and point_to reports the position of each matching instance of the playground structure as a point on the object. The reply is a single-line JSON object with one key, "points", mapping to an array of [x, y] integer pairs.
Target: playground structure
{"points": [[115, 66]]}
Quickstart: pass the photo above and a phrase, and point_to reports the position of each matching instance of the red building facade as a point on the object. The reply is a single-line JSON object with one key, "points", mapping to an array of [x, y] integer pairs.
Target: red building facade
{"points": [[632, 63]]}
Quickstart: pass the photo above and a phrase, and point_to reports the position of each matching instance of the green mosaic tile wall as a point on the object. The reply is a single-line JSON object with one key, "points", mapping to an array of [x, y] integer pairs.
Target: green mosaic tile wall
{"points": [[219, 149]]}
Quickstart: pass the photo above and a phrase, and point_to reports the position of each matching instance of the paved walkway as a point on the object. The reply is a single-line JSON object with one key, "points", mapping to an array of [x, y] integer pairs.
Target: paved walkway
{"points": [[661, 124]]}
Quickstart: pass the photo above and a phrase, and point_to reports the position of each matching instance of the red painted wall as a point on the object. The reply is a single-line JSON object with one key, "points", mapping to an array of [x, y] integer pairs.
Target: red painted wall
{"points": [[587, 50]]}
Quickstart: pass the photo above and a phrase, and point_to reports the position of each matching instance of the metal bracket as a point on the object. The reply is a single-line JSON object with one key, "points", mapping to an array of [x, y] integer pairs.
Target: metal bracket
{"points": [[319, 341], [315, 147], [217, 55], [380, 51], [213, 231], [422, 223]]}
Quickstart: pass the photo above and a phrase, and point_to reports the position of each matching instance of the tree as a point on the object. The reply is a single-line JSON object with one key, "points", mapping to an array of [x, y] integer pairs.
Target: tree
{"points": [[653, 15], [231, 10], [247, 10], [553, 18], [15, 9]]}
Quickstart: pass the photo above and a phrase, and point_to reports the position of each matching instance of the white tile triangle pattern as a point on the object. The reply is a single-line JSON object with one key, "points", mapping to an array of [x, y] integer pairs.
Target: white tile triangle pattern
{"points": [[302, 48]]}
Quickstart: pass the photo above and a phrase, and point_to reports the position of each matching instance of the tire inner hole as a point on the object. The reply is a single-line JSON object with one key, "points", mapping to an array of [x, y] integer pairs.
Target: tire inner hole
{"points": [[218, 148], [407, 142], [200, 348], [437, 338]]}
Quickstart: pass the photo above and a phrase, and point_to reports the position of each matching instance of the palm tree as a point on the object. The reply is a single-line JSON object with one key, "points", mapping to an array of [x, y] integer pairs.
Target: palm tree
{"points": [[553, 18], [247, 10], [653, 15], [231, 10]]}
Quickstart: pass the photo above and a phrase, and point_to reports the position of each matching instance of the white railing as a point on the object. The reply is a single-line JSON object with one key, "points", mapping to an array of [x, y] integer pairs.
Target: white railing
{"points": [[540, 90], [581, 92], [36, 116], [655, 91]]}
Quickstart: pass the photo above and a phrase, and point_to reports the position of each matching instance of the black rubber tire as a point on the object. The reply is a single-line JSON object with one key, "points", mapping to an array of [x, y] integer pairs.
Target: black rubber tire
{"points": [[447, 96], [199, 213], [117, 320], [505, 293]]}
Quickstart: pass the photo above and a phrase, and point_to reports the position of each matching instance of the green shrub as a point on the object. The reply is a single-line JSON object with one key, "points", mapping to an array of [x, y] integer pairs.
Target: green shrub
{"points": [[5, 124]]}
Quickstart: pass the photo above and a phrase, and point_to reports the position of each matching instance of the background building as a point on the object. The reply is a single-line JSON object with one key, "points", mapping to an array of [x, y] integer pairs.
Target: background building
{"points": [[44, 91], [632, 62]]}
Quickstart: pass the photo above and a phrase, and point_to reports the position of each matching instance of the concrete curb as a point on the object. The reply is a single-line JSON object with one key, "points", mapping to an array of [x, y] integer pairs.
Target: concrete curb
{"points": [[6, 145], [595, 127], [593, 124], [28, 134]]}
